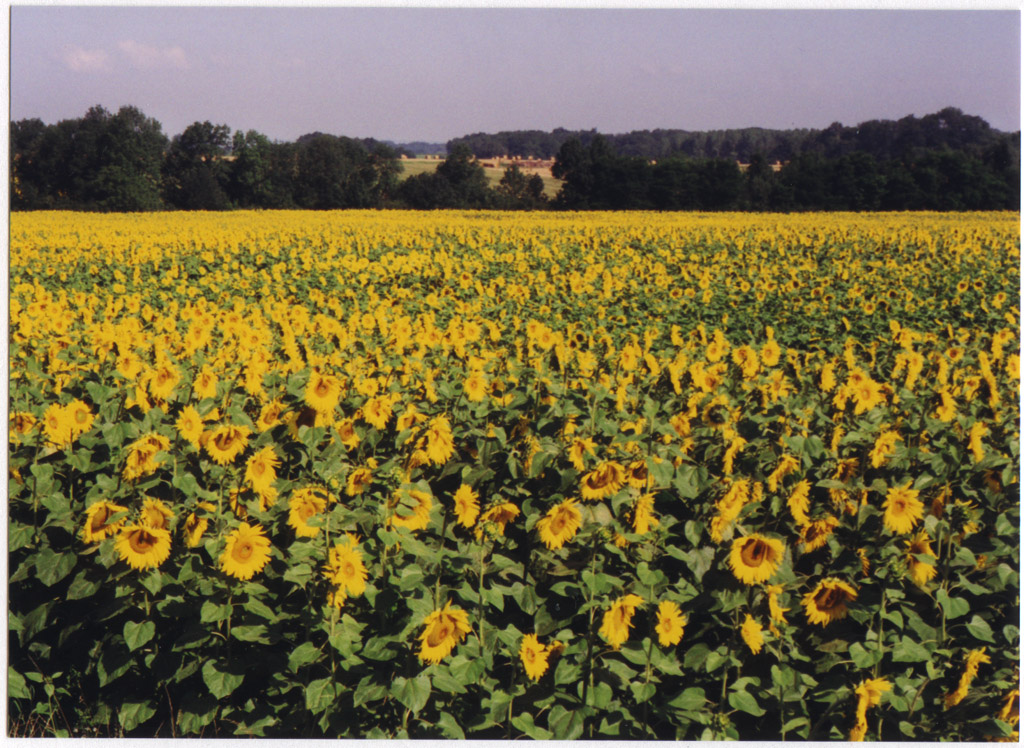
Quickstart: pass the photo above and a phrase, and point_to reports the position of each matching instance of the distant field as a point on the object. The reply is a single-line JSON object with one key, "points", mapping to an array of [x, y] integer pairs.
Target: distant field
{"points": [[494, 174]]}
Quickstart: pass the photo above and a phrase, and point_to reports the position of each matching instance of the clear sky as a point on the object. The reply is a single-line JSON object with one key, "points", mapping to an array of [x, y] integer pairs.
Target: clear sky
{"points": [[432, 74]]}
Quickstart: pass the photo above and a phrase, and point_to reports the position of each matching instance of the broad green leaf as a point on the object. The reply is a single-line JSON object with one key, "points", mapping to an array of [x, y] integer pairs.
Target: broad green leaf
{"points": [[137, 634], [303, 654], [690, 700], [413, 693], [565, 724], [134, 713], [320, 694], [979, 629], [220, 682], [908, 650], [745, 702]]}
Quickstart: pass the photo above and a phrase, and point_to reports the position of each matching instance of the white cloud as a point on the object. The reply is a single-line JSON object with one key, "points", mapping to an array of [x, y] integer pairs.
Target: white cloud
{"points": [[147, 57], [85, 60]]}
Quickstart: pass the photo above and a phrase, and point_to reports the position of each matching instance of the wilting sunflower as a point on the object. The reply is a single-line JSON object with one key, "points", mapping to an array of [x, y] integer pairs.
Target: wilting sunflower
{"points": [[974, 659], [225, 443], [345, 567], [827, 601], [920, 572], [442, 630], [322, 392], [618, 619], [787, 464], [156, 515], [579, 448], [902, 509], [775, 610], [815, 534], [799, 502], [21, 424], [493, 521], [304, 504], [247, 552], [467, 506], [190, 426], [141, 453], [636, 474], [978, 430], [438, 441], [752, 634], [643, 514], [194, 528], [377, 411], [534, 656], [98, 524], [260, 471], [143, 547], [755, 558], [358, 480], [415, 518], [560, 524], [670, 624], [869, 693], [346, 429], [604, 480]]}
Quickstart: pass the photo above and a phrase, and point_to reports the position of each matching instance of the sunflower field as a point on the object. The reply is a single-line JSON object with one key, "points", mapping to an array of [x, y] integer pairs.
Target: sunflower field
{"points": [[506, 475]]}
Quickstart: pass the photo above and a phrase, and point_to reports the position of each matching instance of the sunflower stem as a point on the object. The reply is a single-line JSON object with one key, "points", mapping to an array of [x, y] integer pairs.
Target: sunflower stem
{"points": [[881, 648]]}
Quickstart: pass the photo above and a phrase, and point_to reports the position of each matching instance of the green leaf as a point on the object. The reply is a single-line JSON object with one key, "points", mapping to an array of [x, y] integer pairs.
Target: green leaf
{"points": [[320, 694], [81, 587], [413, 693], [979, 629], [862, 657], [642, 691], [745, 703], [954, 607], [908, 650], [303, 654], [52, 567], [134, 713], [137, 634], [524, 723], [256, 633], [690, 700], [220, 682], [17, 688], [213, 612], [450, 727], [565, 725]]}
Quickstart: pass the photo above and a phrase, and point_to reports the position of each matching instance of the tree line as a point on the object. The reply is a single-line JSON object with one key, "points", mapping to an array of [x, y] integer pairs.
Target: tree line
{"points": [[123, 161]]}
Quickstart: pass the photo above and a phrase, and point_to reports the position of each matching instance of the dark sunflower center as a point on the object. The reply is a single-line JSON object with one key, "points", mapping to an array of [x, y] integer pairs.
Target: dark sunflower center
{"points": [[349, 570], [223, 441], [322, 389], [829, 599], [242, 551], [529, 655], [754, 553], [558, 524], [99, 519], [141, 541], [440, 631]]}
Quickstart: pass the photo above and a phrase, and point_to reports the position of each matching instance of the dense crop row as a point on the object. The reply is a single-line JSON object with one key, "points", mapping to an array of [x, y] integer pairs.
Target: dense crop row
{"points": [[495, 475]]}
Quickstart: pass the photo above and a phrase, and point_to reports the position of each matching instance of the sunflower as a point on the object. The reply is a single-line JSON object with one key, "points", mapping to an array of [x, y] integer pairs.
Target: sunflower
{"points": [[755, 558], [225, 443], [56, 425], [670, 624], [493, 521], [745, 357], [22, 424], [346, 429], [358, 480], [247, 552], [920, 572], [79, 418], [869, 693], [579, 448], [867, 394], [787, 464], [304, 504], [1010, 711], [827, 601], [377, 411], [438, 441], [534, 656], [902, 509], [885, 446], [141, 453], [815, 534], [415, 518], [98, 521], [162, 381], [643, 514], [442, 630], [194, 528], [974, 659], [345, 567], [605, 480], [260, 469], [560, 524], [799, 502], [752, 634], [775, 610], [270, 415], [190, 426], [978, 430], [322, 392], [637, 475], [156, 515], [467, 506], [143, 547], [619, 618], [475, 387]]}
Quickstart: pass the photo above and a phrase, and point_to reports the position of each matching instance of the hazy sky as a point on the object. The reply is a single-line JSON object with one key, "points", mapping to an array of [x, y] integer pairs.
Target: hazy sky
{"points": [[436, 73]]}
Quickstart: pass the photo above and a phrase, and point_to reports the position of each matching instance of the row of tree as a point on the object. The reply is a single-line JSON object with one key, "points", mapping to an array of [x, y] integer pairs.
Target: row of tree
{"points": [[124, 162], [595, 177], [883, 139]]}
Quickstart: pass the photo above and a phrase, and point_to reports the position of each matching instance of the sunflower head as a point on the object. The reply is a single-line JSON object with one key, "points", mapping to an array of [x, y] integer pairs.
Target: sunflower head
{"points": [[534, 656], [902, 509], [143, 547], [755, 558], [247, 551], [560, 524], [345, 567], [467, 505], [827, 601], [442, 630], [99, 522], [670, 624]]}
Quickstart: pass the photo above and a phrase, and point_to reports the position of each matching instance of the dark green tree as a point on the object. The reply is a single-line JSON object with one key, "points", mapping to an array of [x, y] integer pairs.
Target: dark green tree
{"points": [[195, 170]]}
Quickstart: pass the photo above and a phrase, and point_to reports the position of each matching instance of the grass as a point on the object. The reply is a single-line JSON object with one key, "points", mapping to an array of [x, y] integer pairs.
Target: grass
{"points": [[494, 174]]}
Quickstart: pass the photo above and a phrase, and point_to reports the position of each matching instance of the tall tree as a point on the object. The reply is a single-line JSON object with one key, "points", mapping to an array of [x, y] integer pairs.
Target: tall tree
{"points": [[195, 172]]}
